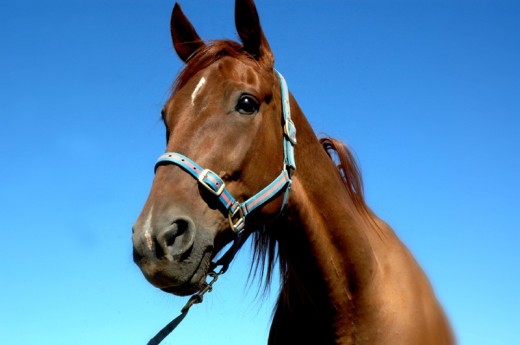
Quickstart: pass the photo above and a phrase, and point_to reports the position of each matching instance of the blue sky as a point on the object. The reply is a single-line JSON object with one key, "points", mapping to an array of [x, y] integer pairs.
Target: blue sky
{"points": [[426, 93]]}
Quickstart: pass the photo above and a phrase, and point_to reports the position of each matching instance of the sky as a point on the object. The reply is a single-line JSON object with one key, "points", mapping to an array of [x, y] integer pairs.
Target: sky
{"points": [[425, 93]]}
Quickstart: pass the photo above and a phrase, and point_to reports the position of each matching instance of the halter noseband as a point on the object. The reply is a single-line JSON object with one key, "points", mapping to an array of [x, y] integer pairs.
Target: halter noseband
{"points": [[238, 211]]}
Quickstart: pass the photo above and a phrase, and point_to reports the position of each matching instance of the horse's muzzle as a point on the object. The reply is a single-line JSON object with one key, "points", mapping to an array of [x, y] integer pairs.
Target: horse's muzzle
{"points": [[172, 242], [163, 253]]}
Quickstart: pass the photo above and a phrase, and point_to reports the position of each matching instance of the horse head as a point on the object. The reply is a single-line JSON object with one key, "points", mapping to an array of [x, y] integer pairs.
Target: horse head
{"points": [[225, 140]]}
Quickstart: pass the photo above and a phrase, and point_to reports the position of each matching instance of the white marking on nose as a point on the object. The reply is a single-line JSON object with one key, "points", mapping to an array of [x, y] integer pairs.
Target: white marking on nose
{"points": [[197, 89], [147, 226], [149, 241]]}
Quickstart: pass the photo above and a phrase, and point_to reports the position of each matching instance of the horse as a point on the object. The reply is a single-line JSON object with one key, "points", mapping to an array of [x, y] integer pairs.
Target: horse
{"points": [[241, 162]]}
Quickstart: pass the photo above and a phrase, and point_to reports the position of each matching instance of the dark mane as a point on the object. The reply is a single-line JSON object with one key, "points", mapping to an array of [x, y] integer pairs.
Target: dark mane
{"points": [[265, 253], [207, 55], [348, 170]]}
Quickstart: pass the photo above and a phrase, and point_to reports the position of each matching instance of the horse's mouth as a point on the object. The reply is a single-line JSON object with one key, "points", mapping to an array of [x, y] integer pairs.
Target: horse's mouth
{"points": [[180, 286]]}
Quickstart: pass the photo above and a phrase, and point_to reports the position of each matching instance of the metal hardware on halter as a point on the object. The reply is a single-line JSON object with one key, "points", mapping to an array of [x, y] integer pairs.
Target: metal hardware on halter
{"points": [[290, 131], [199, 296], [217, 181], [237, 226]]}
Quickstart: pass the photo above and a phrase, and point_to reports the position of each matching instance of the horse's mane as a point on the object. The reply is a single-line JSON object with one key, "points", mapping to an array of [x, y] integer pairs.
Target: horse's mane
{"points": [[348, 170], [265, 252]]}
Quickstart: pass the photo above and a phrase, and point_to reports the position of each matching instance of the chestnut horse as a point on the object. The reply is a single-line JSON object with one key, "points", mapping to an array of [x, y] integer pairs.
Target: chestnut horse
{"points": [[234, 167]]}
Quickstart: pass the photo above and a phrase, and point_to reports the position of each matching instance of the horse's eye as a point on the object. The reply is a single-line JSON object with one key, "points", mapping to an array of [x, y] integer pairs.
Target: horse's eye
{"points": [[247, 105]]}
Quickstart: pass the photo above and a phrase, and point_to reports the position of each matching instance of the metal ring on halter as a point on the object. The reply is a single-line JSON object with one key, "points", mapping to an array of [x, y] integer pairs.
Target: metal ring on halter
{"points": [[239, 224], [289, 130]]}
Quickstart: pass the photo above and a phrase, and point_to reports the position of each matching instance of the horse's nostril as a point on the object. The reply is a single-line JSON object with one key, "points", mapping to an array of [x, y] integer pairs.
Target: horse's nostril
{"points": [[171, 241], [169, 238], [176, 240], [178, 228]]}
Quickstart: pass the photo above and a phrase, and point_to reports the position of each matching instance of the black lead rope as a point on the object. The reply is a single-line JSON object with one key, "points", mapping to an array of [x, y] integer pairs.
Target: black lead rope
{"points": [[197, 298], [163, 333]]}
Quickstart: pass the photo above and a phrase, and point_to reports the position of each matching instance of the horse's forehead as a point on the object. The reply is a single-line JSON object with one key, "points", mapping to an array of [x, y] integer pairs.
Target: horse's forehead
{"points": [[237, 71], [213, 84]]}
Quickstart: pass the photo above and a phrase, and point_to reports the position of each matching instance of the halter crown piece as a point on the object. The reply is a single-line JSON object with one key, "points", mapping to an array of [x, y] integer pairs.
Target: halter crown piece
{"points": [[237, 211]]}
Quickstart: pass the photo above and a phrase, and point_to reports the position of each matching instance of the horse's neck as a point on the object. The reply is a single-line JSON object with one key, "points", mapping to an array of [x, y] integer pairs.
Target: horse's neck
{"points": [[344, 267], [326, 248], [334, 235]]}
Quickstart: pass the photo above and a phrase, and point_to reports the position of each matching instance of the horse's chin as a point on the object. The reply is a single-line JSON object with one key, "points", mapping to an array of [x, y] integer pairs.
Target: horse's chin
{"points": [[185, 290], [191, 286], [182, 278]]}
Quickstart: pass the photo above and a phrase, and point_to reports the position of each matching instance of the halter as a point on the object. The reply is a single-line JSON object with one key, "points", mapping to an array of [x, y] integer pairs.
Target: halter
{"points": [[238, 211]]}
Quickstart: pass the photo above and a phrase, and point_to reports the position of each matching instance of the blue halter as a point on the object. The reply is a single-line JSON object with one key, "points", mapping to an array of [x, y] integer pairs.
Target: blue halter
{"points": [[238, 211]]}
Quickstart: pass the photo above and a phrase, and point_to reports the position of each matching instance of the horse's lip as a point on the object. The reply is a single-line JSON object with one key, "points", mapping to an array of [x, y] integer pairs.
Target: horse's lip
{"points": [[195, 282], [185, 289]]}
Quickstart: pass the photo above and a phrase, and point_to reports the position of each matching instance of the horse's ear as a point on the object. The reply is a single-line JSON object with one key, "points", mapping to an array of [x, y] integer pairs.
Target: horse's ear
{"points": [[185, 39], [248, 27]]}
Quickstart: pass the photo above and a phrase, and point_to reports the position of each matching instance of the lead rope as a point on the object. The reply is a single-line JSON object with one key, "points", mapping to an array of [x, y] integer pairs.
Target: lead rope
{"points": [[197, 298]]}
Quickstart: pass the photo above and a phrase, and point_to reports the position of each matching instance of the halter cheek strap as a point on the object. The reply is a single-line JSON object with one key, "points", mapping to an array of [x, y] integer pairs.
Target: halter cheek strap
{"points": [[237, 211]]}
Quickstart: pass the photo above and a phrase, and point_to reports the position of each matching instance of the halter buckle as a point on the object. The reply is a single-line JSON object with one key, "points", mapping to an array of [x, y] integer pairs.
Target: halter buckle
{"points": [[289, 130], [237, 226], [209, 175]]}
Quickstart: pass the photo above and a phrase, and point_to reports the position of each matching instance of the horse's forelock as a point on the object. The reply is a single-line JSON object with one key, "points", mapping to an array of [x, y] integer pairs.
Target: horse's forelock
{"points": [[207, 55]]}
